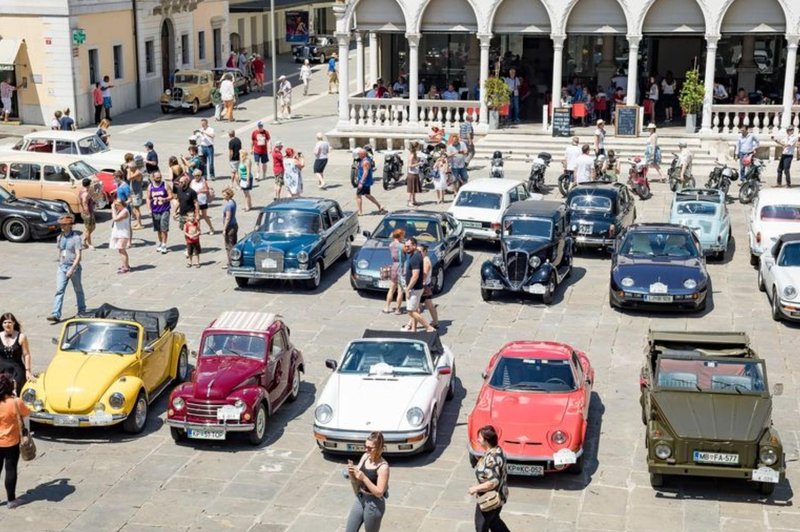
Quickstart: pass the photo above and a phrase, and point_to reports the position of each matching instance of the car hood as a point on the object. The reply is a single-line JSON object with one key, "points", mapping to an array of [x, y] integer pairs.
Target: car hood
{"points": [[645, 272], [281, 241], [74, 382], [35, 206], [217, 376], [701, 225], [526, 411], [714, 416], [377, 253]]}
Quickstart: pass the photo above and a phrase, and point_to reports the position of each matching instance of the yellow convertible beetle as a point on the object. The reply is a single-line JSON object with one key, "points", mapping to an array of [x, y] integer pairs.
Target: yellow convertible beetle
{"points": [[108, 368]]}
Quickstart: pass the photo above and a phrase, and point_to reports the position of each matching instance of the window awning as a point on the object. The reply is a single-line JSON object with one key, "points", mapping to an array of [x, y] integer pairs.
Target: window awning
{"points": [[8, 53]]}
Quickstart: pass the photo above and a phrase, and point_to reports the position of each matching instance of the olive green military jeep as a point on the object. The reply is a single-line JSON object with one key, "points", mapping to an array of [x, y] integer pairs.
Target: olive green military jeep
{"points": [[708, 410]]}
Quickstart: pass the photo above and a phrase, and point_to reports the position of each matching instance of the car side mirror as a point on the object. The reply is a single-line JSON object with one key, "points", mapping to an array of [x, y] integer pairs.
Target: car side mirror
{"points": [[54, 341], [331, 364], [484, 375], [193, 354], [367, 234], [589, 381], [444, 370], [777, 389]]}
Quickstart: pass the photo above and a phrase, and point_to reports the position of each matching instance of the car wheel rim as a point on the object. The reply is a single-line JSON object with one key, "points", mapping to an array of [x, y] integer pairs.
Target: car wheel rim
{"points": [[434, 430], [348, 248], [261, 422], [440, 280], [183, 365], [140, 414], [317, 275], [296, 383], [16, 229]]}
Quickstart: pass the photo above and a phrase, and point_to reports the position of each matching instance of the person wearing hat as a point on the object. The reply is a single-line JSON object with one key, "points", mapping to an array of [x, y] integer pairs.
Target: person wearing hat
{"points": [[259, 139], [652, 152], [333, 77], [600, 138], [789, 145], [285, 95], [69, 244]]}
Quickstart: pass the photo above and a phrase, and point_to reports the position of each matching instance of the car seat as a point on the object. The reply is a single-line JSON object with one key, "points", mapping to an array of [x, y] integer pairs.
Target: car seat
{"points": [[731, 382], [678, 379]]}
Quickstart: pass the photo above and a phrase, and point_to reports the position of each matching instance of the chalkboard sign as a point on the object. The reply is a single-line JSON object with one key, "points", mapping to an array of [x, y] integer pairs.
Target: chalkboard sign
{"points": [[562, 122], [627, 121]]}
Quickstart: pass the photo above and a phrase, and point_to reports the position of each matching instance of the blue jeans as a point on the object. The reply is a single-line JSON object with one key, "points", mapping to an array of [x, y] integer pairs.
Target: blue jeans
{"points": [[741, 165], [514, 108], [61, 286], [208, 153]]}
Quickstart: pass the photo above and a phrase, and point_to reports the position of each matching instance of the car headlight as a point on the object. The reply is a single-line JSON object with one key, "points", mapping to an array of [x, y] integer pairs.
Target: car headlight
{"points": [[239, 403], [362, 264], [38, 405], [559, 437], [534, 261], [29, 396], [43, 216], [302, 256], [790, 292], [768, 456], [178, 403], [117, 400], [99, 407], [236, 254], [167, 92], [415, 416], [323, 414], [574, 228], [627, 282], [690, 284], [497, 260], [663, 451]]}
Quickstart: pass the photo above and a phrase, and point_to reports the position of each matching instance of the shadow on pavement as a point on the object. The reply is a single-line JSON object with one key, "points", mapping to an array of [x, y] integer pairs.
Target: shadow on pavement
{"points": [[52, 491]]}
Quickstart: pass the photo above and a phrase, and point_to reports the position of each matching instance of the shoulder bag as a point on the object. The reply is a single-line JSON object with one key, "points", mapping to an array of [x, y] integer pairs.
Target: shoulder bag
{"points": [[489, 500], [27, 447]]}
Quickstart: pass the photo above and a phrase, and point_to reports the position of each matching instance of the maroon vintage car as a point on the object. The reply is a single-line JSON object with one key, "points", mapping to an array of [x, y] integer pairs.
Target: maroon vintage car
{"points": [[246, 369]]}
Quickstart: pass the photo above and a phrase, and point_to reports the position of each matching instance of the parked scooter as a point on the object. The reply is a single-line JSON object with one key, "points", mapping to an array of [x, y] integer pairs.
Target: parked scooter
{"points": [[721, 177], [637, 178], [392, 169], [496, 168], [538, 169], [753, 167], [357, 162], [674, 175]]}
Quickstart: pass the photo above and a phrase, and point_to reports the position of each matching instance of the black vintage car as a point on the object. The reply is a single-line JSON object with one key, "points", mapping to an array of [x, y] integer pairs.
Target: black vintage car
{"points": [[535, 251], [22, 219], [598, 212], [318, 48]]}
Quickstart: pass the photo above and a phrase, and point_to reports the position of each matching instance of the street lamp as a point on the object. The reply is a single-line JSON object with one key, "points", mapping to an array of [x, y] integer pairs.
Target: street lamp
{"points": [[273, 53]]}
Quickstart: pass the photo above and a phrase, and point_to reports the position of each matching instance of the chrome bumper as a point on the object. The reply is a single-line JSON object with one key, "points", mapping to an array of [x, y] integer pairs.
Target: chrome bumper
{"points": [[251, 273], [473, 233], [524, 458], [185, 425], [352, 441], [593, 240], [68, 420]]}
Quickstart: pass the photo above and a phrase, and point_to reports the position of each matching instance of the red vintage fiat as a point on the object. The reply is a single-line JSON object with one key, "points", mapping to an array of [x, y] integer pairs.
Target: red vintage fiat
{"points": [[246, 369]]}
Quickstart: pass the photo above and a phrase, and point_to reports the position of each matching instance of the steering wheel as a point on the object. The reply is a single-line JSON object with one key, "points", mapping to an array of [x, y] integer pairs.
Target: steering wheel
{"points": [[421, 235], [556, 380]]}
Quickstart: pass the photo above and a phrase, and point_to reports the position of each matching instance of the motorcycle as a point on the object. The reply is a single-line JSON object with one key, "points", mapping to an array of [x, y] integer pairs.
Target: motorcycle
{"points": [[753, 167], [538, 169], [599, 172], [392, 169], [637, 178], [721, 177], [496, 168], [674, 175], [357, 162]]}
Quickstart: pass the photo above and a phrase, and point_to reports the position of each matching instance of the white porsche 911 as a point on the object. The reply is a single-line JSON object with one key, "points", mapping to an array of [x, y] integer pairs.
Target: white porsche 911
{"points": [[779, 277], [392, 382]]}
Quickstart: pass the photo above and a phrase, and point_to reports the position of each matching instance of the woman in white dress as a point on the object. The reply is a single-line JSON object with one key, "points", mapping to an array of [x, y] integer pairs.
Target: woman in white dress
{"points": [[292, 172], [441, 173], [305, 76], [285, 96], [120, 234]]}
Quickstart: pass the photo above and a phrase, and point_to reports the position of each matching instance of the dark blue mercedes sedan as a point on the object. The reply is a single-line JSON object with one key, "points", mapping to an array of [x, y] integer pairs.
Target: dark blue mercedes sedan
{"points": [[658, 266]]}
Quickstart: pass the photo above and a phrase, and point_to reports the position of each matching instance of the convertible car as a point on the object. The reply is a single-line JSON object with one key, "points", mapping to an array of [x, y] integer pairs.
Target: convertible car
{"points": [[598, 212], [704, 212], [776, 211], [779, 277], [443, 234], [23, 219], [393, 382], [108, 368], [658, 266], [294, 238], [536, 395]]}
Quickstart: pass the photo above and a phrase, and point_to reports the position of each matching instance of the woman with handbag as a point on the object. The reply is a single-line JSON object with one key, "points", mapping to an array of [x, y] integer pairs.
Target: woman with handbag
{"points": [[394, 273], [372, 476], [427, 288], [492, 486], [14, 433]]}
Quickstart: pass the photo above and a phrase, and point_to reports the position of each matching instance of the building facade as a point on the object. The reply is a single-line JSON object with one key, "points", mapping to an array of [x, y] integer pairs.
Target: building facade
{"points": [[749, 44]]}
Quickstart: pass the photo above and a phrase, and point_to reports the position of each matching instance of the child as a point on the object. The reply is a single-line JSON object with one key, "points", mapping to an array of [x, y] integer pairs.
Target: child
{"points": [[192, 231], [441, 174]]}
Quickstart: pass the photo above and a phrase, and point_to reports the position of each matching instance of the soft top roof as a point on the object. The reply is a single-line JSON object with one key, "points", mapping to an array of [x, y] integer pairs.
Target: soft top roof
{"points": [[788, 237], [430, 338], [703, 343], [595, 188], [699, 194], [154, 322]]}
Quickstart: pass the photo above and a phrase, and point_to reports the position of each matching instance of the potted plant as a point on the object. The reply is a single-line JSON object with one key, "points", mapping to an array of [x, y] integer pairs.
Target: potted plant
{"points": [[691, 99], [496, 95]]}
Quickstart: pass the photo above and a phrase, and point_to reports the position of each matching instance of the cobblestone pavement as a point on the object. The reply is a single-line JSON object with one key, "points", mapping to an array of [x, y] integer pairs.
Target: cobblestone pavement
{"points": [[102, 480]]}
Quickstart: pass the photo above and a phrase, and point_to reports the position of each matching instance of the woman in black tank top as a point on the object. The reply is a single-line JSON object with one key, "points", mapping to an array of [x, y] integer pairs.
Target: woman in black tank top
{"points": [[15, 356], [372, 476]]}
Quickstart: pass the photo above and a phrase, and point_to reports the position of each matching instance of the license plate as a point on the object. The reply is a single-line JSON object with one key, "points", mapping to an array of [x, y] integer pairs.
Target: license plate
{"points": [[100, 419], [472, 225], [356, 447], [176, 104], [206, 434], [525, 470], [228, 413], [658, 299], [703, 457], [384, 283], [658, 288], [535, 289], [585, 229], [766, 474], [564, 457], [66, 421], [269, 264]]}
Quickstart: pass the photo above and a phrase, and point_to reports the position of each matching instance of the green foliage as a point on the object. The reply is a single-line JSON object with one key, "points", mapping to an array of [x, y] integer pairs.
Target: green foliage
{"points": [[692, 93], [496, 93]]}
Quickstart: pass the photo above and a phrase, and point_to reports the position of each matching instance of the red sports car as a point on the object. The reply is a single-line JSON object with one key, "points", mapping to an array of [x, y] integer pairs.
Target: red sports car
{"points": [[536, 395]]}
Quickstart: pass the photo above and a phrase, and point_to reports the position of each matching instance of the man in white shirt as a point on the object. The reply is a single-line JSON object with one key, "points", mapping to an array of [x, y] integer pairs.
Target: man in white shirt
{"points": [[584, 166], [571, 155], [745, 144], [513, 83], [205, 140], [227, 92], [789, 145]]}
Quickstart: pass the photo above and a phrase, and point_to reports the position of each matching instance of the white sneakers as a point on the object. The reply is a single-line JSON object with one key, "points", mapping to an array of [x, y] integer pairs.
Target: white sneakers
{"points": [[161, 248]]}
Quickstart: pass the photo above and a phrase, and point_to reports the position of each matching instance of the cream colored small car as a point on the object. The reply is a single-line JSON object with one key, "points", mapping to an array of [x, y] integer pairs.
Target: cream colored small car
{"points": [[191, 90]]}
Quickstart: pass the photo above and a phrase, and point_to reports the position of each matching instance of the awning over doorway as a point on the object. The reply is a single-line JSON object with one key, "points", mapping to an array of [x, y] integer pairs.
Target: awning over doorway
{"points": [[8, 53], [449, 15], [754, 16], [523, 16], [674, 16], [379, 15], [597, 16]]}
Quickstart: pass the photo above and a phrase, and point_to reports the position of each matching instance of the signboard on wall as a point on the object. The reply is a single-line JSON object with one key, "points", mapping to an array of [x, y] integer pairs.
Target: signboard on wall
{"points": [[297, 26], [562, 122], [627, 121], [78, 36]]}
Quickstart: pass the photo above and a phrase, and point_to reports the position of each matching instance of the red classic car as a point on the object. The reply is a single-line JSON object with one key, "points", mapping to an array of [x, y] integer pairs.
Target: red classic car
{"points": [[536, 395], [246, 369]]}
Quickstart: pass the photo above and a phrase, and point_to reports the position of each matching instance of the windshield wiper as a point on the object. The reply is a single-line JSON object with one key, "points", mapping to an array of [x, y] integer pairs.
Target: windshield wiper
{"points": [[524, 386]]}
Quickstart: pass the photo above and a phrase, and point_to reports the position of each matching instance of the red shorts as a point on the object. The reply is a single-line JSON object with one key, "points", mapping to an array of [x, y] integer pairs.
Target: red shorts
{"points": [[260, 77]]}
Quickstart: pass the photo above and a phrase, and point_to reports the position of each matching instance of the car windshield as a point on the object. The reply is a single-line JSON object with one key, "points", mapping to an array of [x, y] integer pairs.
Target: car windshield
{"points": [[386, 358], [591, 202], [697, 208], [533, 374], [527, 227], [226, 344], [659, 244], [424, 230], [188, 79], [784, 213], [304, 223], [5, 195], [81, 170], [479, 200], [100, 337], [790, 255], [703, 375], [91, 145]]}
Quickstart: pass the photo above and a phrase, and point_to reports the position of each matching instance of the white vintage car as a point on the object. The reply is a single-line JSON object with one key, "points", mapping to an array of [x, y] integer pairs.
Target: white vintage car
{"points": [[480, 204], [779, 277], [392, 382], [776, 212], [88, 146]]}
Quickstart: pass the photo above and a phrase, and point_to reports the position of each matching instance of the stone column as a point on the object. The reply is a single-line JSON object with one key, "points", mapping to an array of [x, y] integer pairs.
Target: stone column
{"points": [[633, 68], [558, 60], [606, 68], [747, 68], [708, 82], [413, 78], [485, 40], [344, 75], [359, 63], [373, 58], [789, 80]]}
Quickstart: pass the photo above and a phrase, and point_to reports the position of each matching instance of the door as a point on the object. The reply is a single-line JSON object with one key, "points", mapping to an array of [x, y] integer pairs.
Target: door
{"points": [[277, 369], [167, 50], [330, 237], [156, 356], [23, 180], [57, 184], [336, 220], [217, 48], [559, 241]]}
